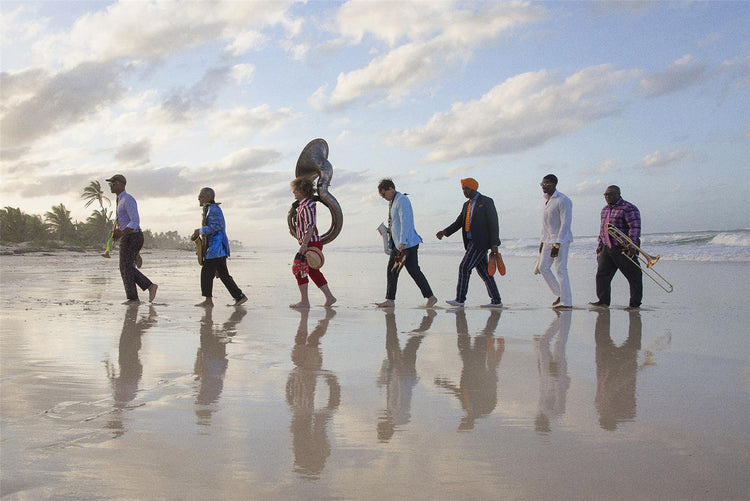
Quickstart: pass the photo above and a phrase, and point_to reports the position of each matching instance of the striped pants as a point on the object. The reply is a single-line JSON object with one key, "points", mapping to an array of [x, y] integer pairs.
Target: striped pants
{"points": [[475, 258]]}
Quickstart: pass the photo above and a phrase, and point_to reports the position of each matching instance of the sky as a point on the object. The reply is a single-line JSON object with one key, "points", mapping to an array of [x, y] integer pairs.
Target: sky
{"points": [[651, 96]]}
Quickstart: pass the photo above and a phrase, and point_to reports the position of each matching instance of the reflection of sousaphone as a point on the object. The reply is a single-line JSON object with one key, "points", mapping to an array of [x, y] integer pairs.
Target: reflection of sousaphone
{"points": [[313, 163]]}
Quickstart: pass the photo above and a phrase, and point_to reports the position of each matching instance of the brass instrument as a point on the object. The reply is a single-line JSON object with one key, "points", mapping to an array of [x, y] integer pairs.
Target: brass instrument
{"points": [[313, 163], [641, 257]]}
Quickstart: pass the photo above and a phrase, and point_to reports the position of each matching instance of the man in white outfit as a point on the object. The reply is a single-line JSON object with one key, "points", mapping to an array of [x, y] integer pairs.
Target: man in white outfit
{"points": [[556, 238]]}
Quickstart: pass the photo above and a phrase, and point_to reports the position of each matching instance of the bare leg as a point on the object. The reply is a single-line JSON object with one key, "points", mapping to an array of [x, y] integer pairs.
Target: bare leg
{"points": [[430, 302], [152, 292], [304, 302], [330, 298]]}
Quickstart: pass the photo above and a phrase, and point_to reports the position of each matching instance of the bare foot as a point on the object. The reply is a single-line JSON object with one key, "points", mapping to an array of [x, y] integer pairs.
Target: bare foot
{"points": [[152, 292], [300, 306], [431, 301], [242, 299], [132, 301], [207, 303], [388, 303], [330, 301]]}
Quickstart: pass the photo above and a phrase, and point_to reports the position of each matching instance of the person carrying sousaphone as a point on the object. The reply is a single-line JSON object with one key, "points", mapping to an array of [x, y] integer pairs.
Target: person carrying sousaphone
{"points": [[309, 240], [216, 251]]}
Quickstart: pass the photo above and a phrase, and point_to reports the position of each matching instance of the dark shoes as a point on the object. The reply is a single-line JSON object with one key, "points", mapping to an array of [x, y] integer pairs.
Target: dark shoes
{"points": [[599, 304]]}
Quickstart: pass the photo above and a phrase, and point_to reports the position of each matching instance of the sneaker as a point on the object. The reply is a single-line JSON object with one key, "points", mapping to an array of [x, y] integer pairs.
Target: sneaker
{"points": [[493, 305], [453, 302], [241, 300]]}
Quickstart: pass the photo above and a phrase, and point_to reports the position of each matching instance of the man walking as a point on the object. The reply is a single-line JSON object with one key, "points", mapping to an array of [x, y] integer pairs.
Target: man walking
{"points": [[627, 218], [128, 231], [479, 229], [557, 217], [403, 241]]}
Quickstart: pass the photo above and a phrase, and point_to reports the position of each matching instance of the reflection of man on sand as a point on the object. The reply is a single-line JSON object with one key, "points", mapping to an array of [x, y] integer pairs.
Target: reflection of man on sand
{"points": [[308, 427], [553, 371], [126, 379], [477, 390], [616, 369], [399, 374], [211, 361]]}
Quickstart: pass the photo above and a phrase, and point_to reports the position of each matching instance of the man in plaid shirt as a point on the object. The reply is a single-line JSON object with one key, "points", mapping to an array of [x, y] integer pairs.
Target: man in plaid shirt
{"points": [[610, 258]]}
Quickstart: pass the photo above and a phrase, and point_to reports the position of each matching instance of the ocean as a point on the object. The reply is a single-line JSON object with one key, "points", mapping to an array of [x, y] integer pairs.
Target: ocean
{"points": [[709, 245]]}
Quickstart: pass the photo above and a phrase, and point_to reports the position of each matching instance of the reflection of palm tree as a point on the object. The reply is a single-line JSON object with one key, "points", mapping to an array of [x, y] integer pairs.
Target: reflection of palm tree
{"points": [[211, 361], [94, 193], [616, 368], [309, 425], [126, 378], [553, 371], [59, 221], [399, 374], [477, 390]]}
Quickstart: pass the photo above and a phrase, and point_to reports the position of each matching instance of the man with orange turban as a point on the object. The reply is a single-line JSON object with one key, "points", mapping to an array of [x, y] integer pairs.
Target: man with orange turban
{"points": [[479, 229]]}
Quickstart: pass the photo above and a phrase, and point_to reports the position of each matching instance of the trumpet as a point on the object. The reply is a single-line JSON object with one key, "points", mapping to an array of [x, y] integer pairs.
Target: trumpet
{"points": [[640, 259]]}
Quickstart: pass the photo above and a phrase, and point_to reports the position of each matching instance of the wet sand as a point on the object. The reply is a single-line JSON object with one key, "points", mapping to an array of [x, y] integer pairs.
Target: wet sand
{"points": [[170, 401]]}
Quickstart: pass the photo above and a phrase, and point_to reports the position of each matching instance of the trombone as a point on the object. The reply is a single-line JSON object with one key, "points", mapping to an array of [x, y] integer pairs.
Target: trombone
{"points": [[640, 259]]}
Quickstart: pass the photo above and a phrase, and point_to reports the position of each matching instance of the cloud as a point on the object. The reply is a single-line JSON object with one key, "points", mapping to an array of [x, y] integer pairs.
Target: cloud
{"points": [[659, 160], [523, 112], [239, 123], [605, 167], [153, 30], [435, 35], [588, 188], [134, 153], [681, 74], [182, 103], [58, 101]]}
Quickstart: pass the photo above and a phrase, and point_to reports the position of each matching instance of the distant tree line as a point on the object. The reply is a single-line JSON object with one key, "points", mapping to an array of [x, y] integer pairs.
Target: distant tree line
{"points": [[56, 226]]}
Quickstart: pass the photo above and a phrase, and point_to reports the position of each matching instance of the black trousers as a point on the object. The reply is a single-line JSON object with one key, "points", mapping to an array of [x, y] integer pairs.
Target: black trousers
{"points": [[217, 267], [130, 246], [412, 266], [609, 261]]}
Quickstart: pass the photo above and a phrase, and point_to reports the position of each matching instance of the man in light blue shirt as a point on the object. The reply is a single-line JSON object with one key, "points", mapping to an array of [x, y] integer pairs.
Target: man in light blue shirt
{"points": [[557, 236], [403, 242], [128, 231]]}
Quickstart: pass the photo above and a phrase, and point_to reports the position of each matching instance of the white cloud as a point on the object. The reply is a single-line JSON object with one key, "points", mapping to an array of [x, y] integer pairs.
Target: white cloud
{"points": [[436, 36], [681, 74], [660, 159], [242, 122], [523, 112]]}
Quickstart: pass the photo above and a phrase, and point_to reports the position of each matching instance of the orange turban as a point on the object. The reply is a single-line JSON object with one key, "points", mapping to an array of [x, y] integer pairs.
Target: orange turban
{"points": [[470, 182]]}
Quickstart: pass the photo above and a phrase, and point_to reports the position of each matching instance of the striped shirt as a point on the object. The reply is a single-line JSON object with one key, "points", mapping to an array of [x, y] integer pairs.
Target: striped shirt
{"points": [[305, 219], [625, 217]]}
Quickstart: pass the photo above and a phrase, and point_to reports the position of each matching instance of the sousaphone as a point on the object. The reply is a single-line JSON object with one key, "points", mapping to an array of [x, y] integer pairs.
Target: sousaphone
{"points": [[313, 164]]}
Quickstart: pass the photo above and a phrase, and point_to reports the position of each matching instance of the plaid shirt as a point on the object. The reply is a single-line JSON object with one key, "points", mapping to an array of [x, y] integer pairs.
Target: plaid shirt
{"points": [[625, 217]]}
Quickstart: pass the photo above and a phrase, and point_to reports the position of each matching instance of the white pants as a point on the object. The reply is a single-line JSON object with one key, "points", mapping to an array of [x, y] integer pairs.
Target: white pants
{"points": [[560, 285]]}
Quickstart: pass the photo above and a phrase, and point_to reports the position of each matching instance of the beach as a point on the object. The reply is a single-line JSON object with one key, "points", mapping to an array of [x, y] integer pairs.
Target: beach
{"points": [[99, 400]]}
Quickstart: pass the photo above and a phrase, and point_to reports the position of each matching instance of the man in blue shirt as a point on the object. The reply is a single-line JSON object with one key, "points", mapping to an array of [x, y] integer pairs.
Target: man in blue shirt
{"points": [[404, 243], [217, 252], [128, 231]]}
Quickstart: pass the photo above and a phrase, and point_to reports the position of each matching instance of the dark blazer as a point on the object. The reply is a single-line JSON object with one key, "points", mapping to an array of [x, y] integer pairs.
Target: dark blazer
{"points": [[484, 225]]}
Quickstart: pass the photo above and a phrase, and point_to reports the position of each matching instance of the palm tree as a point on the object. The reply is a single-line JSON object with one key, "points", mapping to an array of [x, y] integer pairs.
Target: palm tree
{"points": [[94, 193], [59, 221]]}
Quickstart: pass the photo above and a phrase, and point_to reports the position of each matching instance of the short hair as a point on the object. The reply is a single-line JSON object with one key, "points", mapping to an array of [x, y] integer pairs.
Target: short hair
{"points": [[304, 185], [551, 177], [615, 187], [209, 192], [386, 184]]}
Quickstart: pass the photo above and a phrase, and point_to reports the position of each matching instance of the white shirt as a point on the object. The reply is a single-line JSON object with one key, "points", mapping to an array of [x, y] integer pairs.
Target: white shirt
{"points": [[557, 219]]}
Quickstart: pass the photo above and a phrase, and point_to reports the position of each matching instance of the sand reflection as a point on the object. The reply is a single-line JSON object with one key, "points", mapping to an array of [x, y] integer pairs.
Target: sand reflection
{"points": [[553, 371], [125, 378], [616, 370], [477, 387], [398, 374], [211, 361], [309, 426]]}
